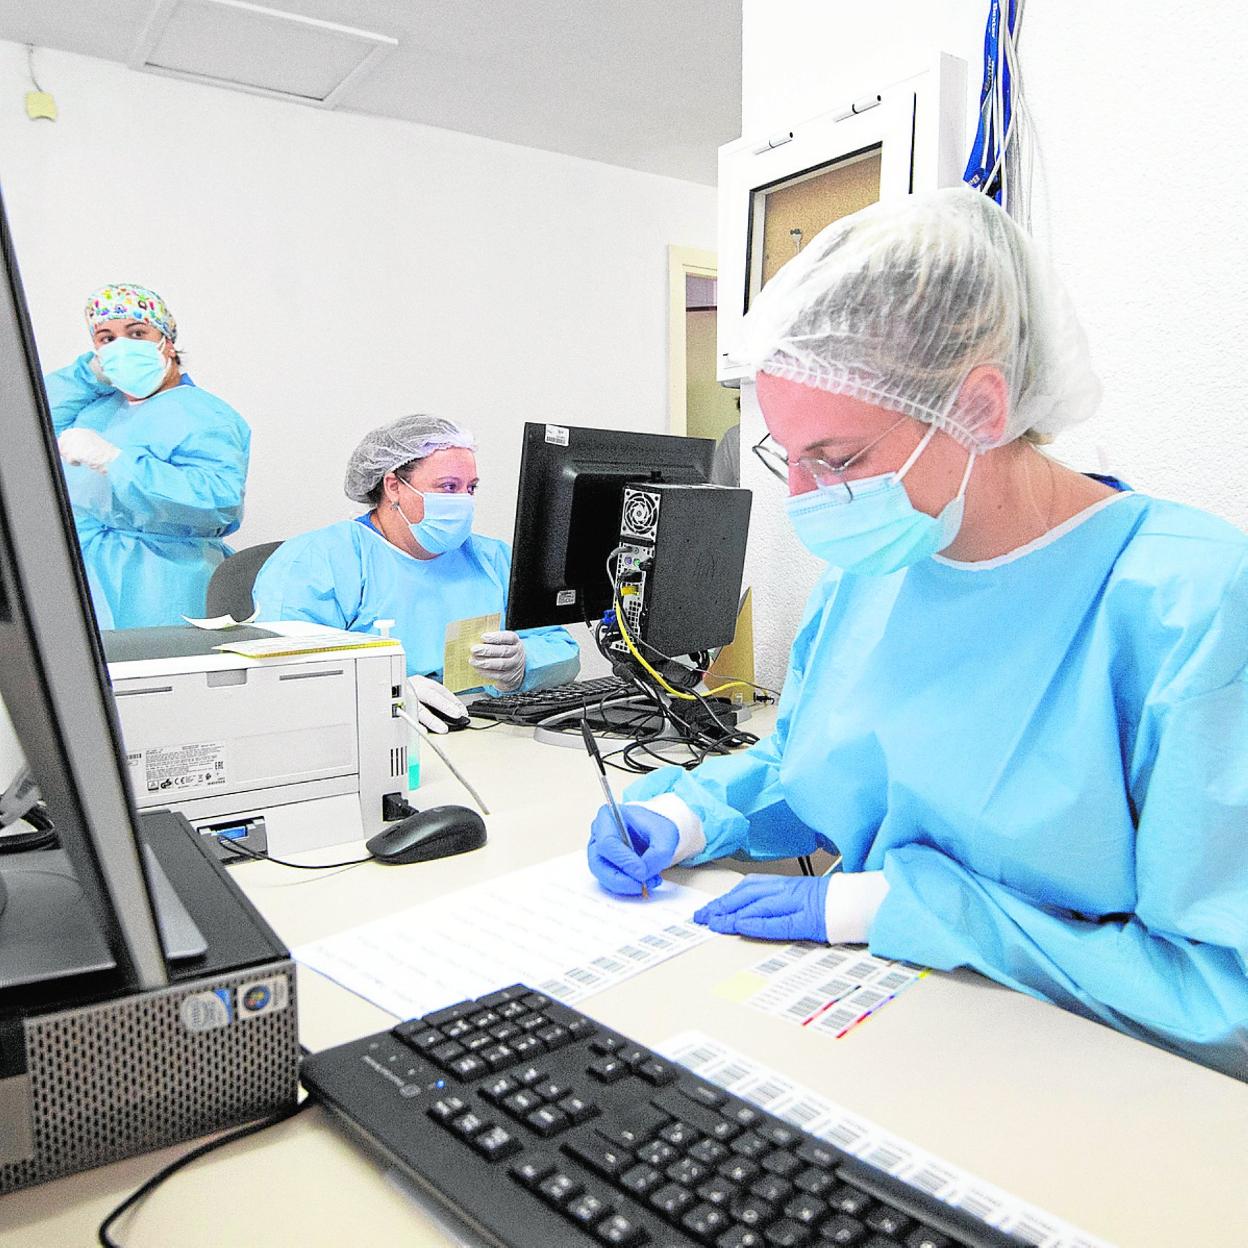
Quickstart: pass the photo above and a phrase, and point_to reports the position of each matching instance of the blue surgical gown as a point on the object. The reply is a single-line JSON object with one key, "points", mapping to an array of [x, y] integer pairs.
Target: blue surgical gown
{"points": [[1046, 754], [349, 576], [151, 527]]}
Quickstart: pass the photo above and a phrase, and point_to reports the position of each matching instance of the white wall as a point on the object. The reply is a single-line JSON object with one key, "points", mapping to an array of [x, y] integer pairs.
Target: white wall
{"points": [[1138, 111], [331, 272]]}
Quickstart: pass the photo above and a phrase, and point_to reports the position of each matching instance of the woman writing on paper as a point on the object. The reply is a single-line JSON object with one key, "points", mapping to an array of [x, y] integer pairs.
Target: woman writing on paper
{"points": [[414, 559]]}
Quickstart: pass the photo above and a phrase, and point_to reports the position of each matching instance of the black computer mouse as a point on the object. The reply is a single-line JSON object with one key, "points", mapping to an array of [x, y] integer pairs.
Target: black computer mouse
{"points": [[457, 724], [437, 832]]}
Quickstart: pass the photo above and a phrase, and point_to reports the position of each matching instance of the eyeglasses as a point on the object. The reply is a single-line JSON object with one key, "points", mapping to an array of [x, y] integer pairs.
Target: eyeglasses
{"points": [[825, 474]]}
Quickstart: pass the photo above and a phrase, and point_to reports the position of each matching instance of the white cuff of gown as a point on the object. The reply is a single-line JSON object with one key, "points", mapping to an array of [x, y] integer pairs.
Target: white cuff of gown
{"points": [[688, 824], [852, 900]]}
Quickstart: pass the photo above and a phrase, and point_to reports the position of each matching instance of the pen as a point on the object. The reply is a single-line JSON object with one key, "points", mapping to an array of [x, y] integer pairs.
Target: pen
{"points": [[592, 746]]}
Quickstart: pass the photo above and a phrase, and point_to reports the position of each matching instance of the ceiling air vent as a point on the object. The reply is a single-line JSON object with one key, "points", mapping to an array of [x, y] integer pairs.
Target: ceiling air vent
{"points": [[228, 43]]}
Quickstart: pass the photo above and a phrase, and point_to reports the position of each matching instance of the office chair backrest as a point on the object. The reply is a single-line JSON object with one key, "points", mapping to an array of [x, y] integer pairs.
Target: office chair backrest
{"points": [[229, 589]]}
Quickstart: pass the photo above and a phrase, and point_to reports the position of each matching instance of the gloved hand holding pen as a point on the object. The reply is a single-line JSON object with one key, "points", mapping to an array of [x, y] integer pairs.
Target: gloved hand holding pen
{"points": [[623, 869]]}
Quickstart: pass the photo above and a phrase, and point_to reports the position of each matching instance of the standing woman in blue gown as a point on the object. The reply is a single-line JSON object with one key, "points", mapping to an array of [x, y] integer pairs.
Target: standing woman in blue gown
{"points": [[1018, 702], [156, 467]]}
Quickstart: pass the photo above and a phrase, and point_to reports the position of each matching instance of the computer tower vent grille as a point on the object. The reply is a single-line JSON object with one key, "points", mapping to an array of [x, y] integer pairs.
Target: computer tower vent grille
{"points": [[128, 1076], [641, 514]]}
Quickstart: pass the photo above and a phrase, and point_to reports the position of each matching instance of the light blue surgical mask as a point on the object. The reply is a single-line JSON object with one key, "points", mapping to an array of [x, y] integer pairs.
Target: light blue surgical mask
{"points": [[447, 521], [877, 529], [135, 366]]}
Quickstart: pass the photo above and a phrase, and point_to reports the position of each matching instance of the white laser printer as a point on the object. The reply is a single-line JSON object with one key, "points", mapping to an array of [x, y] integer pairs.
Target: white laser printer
{"points": [[278, 754]]}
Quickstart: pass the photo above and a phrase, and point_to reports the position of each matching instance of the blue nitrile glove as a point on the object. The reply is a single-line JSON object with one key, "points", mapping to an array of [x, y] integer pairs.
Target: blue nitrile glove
{"points": [[621, 868], [771, 907]]}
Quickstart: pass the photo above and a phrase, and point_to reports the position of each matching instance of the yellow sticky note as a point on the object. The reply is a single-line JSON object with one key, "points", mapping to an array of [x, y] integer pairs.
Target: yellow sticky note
{"points": [[740, 987], [458, 673]]}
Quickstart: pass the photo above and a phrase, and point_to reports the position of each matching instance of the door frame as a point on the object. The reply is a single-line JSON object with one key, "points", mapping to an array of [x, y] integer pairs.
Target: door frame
{"points": [[681, 262]]}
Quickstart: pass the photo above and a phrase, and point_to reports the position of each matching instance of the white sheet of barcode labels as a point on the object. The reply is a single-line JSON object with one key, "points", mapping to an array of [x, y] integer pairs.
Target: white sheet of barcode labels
{"points": [[804, 1108]]}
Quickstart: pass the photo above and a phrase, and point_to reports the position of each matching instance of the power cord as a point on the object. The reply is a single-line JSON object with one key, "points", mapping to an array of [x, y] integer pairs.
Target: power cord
{"points": [[195, 1154]]}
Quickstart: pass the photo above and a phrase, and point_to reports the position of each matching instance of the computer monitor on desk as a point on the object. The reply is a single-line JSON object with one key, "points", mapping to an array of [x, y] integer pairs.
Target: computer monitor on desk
{"points": [[568, 513]]}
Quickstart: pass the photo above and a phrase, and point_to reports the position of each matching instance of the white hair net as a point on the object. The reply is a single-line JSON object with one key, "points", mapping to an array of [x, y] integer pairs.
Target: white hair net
{"points": [[391, 446], [896, 304]]}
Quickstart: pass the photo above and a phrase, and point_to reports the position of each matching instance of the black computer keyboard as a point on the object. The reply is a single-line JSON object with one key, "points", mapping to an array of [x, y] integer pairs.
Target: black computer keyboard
{"points": [[538, 704], [539, 1128]]}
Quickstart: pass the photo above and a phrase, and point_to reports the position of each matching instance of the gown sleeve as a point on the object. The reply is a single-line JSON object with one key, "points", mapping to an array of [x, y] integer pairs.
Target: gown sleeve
{"points": [[72, 389], [196, 488], [738, 797], [1175, 971]]}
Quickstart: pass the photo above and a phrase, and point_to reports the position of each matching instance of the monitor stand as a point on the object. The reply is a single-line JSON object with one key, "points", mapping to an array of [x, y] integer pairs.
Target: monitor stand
{"points": [[47, 930]]}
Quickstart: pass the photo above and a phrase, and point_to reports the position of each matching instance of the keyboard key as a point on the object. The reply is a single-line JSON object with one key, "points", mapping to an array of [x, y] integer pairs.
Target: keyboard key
{"points": [[781, 1163], [705, 1094], [709, 1152], [717, 1191], [512, 1010], [606, 1044], [536, 1000], [457, 1030], [671, 1200], [774, 1190], [739, 1170], [818, 1154], [888, 1221], [477, 1041], [495, 1143], [468, 1067], [806, 1209], [742, 1114], [446, 1052], [680, 1135], [554, 1037], [635, 1126], [587, 1209], [750, 1146], [549, 1090], [752, 1212], [849, 1200], [842, 1230], [505, 1031], [559, 1188], [779, 1135], [705, 1222], [740, 1237], [484, 1020], [532, 1022], [533, 1168], [786, 1234], [447, 1109], [608, 1070], [686, 1172], [620, 1231], [815, 1182], [923, 1238], [578, 1109], [598, 1155], [657, 1073], [641, 1179], [657, 1153], [498, 1090], [499, 1057], [469, 1124], [529, 1075], [450, 1013], [521, 1104], [416, 1035], [634, 1055], [527, 1047], [677, 1105], [547, 1121]]}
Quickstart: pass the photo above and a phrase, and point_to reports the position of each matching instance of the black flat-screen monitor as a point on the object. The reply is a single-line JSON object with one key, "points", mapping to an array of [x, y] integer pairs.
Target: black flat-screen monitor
{"points": [[568, 513], [100, 885]]}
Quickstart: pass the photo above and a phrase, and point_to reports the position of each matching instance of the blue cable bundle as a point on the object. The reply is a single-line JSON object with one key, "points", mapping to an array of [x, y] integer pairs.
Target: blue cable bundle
{"points": [[987, 168]]}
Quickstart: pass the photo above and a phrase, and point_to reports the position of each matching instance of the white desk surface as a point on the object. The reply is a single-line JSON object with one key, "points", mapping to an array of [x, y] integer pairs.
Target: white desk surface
{"points": [[1125, 1141]]}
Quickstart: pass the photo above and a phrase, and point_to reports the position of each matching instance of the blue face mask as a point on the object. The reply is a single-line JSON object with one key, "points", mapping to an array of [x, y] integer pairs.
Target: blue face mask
{"points": [[447, 521], [879, 530], [134, 365]]}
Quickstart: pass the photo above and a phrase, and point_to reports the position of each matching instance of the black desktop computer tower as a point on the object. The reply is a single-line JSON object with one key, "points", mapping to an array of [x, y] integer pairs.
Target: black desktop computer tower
{"points": [[89, 1077], [682, 555]]}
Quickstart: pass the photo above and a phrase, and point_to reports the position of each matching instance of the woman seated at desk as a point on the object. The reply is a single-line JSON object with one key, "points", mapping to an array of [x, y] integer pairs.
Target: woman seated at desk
{"points": [[413, 558], [1018, 701]]}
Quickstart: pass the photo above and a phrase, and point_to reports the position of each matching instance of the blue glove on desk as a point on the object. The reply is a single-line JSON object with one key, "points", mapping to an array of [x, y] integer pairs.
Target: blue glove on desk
{"points": [[771, 907], [621, 868]]}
